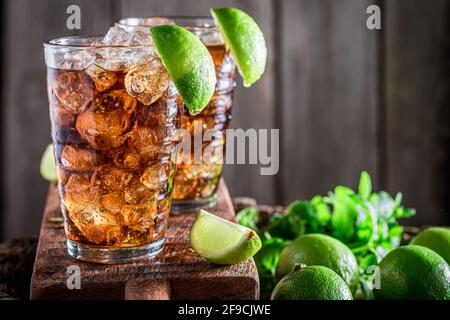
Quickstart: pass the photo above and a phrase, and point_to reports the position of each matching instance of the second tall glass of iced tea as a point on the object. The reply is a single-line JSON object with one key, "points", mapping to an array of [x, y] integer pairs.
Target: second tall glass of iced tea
{"points": [[196, 182]]}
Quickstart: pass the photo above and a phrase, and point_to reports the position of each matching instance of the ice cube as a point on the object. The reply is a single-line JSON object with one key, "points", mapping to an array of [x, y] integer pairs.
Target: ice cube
{"points": [[126, 157], [140, 215], [132, 46], [78, 159], [154, 136], [147, 82], [116, 36], [76, 60], [77, 183], [154, 176], [108, 123], [103, 79], [102, 234], [107, 179], [79, 203], [137, 192], [112, 202], [162, 111], [60, 116], [139, 38], [74, 89], [113, 59], [97, 223]]}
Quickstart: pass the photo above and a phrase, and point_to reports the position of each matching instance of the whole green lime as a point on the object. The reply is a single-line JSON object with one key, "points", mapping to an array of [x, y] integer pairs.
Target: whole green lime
{"points": [[320, 250], [436, 239], [413, 272], [312, 283]]}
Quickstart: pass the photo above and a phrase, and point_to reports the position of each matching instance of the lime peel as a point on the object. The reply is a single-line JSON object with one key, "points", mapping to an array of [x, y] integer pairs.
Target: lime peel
{"points": [[188, 62], [221, 241], [48, 166], [245, 40]]}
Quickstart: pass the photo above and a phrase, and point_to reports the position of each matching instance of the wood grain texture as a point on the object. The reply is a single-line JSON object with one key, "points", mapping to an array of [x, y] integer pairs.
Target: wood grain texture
{"points": [[417, 69], [177, 273], [328, 96]]}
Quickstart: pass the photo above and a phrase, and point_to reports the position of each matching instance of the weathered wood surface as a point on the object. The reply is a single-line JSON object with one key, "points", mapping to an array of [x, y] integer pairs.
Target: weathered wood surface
{"points": [[177, 273]]}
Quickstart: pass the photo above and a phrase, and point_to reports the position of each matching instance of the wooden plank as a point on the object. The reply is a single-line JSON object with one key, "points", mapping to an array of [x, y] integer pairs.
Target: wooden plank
{"points": [[25, 104], [253, 107], [417, 92], [328, 99], [176, 273]]}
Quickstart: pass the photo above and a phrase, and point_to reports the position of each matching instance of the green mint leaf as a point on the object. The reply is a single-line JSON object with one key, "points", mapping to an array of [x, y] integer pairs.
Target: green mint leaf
{"points": [[248, 217]]}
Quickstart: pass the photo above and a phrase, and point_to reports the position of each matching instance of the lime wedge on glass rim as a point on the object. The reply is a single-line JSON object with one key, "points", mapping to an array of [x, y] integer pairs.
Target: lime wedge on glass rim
{"points": [[245, 40], [188, 62], [48, 165], [221, 241]]}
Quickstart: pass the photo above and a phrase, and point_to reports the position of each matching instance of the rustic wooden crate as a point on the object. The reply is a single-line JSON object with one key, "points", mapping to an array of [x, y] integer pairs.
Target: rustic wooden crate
{"points": [[177, 273]]}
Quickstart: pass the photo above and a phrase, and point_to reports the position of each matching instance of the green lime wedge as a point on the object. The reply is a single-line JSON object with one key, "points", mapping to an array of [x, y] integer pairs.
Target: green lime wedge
{"points": [[221, 241], [48, 166], [189, 64], [245, 40]]}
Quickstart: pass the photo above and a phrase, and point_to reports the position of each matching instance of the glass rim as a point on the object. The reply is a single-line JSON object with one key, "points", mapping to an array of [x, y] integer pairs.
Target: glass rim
{"points": [[59, 43], [180, 20]]}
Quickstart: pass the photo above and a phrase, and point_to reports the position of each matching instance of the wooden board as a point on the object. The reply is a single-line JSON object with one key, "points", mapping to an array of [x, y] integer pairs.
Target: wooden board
{"points": [[177, 273]]}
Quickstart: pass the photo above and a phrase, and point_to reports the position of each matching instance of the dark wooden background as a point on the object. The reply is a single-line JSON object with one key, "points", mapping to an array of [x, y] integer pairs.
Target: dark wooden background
{"points": [[345, 98]]}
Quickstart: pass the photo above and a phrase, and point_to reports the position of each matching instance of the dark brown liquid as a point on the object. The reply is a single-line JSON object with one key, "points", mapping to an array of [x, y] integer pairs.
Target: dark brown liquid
{"points": [[115, 156], [201, 180]]}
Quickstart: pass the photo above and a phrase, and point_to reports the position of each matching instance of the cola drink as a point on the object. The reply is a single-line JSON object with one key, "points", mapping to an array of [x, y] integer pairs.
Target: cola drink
{"points": [[196, 182], [114, 114]]}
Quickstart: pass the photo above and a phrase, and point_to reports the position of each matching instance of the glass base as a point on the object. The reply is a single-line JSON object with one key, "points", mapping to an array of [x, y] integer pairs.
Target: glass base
{"points": [[106, 255], [193, 205]]}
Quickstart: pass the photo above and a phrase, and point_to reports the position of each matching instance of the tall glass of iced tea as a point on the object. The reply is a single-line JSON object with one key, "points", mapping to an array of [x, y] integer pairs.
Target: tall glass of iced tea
{"points": [[114, 112], [196, 180]]}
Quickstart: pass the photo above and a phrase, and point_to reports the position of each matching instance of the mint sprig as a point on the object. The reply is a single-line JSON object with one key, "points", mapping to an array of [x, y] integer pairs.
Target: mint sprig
{"points": [[366, 221]]}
